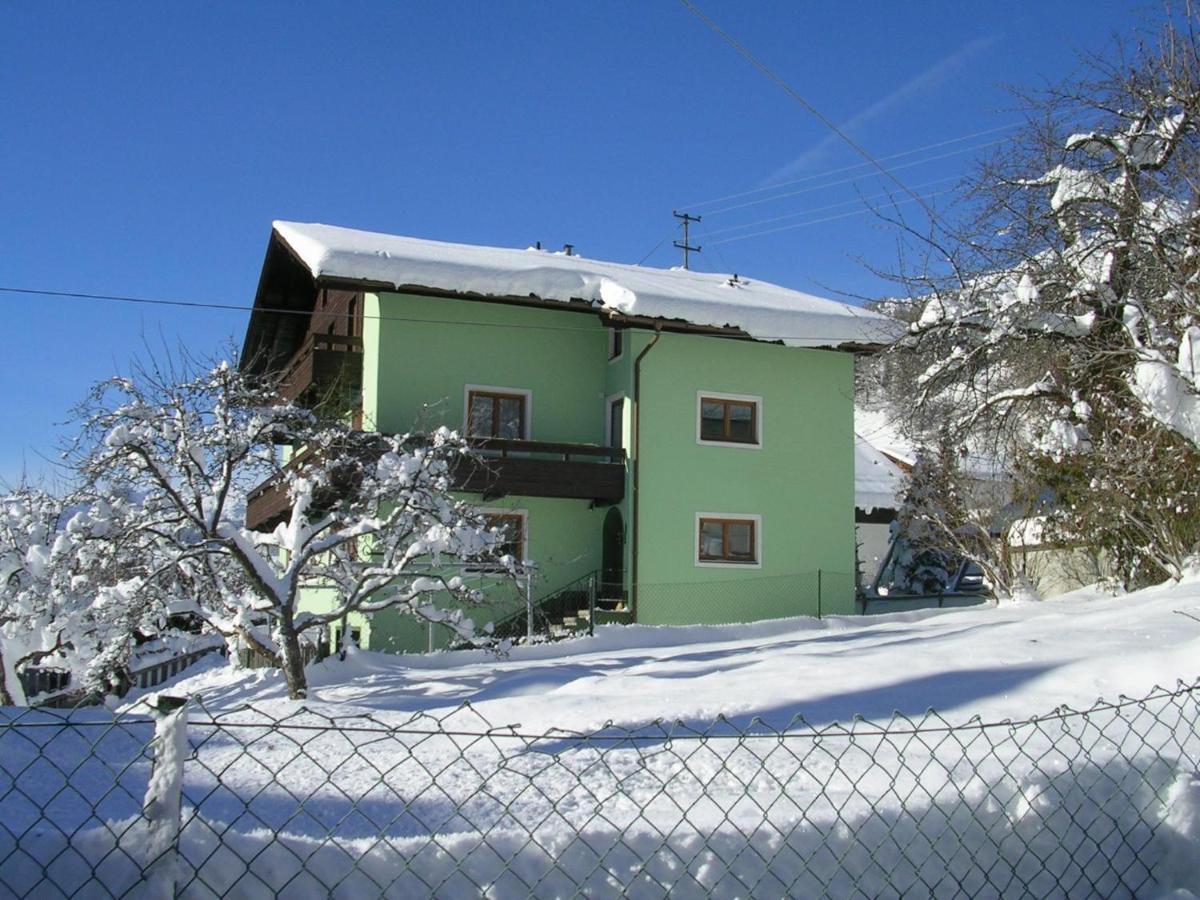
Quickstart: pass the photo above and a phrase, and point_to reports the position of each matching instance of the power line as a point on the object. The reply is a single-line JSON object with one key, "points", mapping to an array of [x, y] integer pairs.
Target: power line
{"points": [[795, 95], [654, 249], [851, 168], [857, 212], [851, 179], [232, 307], [815, 209]]}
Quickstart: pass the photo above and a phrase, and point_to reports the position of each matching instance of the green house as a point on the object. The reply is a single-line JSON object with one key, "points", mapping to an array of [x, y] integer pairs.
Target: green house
{"points": [[676, 446]]}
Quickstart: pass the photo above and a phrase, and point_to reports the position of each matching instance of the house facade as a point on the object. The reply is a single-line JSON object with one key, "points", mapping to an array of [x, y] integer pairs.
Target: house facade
{"points": [[681, 442]]}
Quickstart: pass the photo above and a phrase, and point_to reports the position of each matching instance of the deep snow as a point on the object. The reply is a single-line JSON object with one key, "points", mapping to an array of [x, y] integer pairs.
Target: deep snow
{"points": [[1011, 661], [1097, 805]]}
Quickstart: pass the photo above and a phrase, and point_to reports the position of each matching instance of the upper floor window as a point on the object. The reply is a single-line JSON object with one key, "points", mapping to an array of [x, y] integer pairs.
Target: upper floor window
{"points": [[497, 413], [616, 343], [729, 419], [614, 431]]}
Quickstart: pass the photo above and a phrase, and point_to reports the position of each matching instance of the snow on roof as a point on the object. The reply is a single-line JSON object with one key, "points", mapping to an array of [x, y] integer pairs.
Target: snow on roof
{"points": [[878, 482], [764, 311], [880, 429]]}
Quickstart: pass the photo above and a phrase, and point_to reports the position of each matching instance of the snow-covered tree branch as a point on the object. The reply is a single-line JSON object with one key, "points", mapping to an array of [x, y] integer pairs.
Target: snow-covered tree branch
{"points": [[73, 588], [368, 515], [1064, 320]]}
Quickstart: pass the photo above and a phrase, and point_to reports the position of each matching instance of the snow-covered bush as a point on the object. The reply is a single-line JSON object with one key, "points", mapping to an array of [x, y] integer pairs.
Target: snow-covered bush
{"points": [[74, 591]]}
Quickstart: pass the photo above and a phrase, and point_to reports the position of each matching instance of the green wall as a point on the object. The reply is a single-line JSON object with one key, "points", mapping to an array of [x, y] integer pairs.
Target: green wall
{"points": [[420, 352], [563, 537], [801, 481]]}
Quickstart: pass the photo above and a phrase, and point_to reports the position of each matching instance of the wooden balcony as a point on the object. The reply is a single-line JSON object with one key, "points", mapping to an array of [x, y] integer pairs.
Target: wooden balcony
{"points": [[267, 505], [323, 362], [541, 469], [498, 468]]}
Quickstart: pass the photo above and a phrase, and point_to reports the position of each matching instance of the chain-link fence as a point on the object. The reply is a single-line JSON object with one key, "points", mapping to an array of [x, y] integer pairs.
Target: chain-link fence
{"points": [[578, 606], [746, 598], [195, 802]]}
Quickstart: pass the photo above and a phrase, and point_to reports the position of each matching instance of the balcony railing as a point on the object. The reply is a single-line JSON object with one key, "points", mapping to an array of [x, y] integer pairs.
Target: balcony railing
{"points": [[497, 469], [542, 469], [321, 362]]}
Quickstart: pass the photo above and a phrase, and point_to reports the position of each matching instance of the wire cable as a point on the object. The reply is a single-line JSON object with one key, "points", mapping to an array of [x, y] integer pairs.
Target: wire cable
{"points": [[849, 180], [857, 212], [815, 209], [231, 307], [795, 95], [852, 167]]}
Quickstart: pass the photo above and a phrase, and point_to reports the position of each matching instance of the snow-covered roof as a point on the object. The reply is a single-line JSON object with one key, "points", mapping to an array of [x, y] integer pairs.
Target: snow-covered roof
{"points": [[879, 428], [762, 310], [878, 482]]}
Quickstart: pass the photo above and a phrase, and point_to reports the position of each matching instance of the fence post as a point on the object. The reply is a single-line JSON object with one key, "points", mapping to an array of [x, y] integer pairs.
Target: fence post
{"points": [[162, 805], [818, 593], [528, 604], [591, 604]]}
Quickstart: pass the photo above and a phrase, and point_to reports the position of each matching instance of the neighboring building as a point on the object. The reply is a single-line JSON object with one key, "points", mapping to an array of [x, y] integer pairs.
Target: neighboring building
{"points": [[687, 437], [878, 493]]}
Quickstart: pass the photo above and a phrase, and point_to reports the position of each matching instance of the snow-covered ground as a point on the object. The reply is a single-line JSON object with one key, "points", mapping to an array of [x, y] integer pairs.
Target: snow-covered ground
{"points": [[1010, 661], [1103, 804]]}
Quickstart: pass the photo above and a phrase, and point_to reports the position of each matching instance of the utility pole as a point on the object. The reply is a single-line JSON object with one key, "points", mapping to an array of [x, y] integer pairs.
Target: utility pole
{"points": [[686, 246]]}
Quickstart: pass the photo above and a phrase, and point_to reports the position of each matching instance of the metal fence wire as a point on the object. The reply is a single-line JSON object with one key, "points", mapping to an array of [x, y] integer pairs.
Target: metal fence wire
{"points": [[186, 801]]}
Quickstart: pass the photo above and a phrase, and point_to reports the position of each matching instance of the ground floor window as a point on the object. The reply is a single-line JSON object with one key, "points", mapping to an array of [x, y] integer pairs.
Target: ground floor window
{"points": [[510, 526], [732, 540]]}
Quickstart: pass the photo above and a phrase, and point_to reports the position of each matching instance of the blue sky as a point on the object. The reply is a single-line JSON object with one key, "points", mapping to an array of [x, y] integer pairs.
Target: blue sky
{"points": [[146, 147]]}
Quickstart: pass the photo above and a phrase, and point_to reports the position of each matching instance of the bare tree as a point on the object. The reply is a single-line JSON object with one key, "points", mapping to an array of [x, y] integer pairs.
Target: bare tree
{"points": [[369, 516], [1057, 320]]}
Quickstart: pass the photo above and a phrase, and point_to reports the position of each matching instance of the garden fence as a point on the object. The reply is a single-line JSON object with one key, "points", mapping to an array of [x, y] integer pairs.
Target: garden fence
{"points": [[182, 800]]}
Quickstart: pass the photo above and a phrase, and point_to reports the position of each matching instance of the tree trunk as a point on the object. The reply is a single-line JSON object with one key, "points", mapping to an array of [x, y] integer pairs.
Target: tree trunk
{"points": [[291, 659], [5, 697]]}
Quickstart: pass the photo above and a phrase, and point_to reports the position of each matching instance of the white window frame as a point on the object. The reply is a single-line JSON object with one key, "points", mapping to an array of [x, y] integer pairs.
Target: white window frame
{"points": [[496, 389], [745, 398], [713, 564], [483, 568], [608, 402], [613, 331]]}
